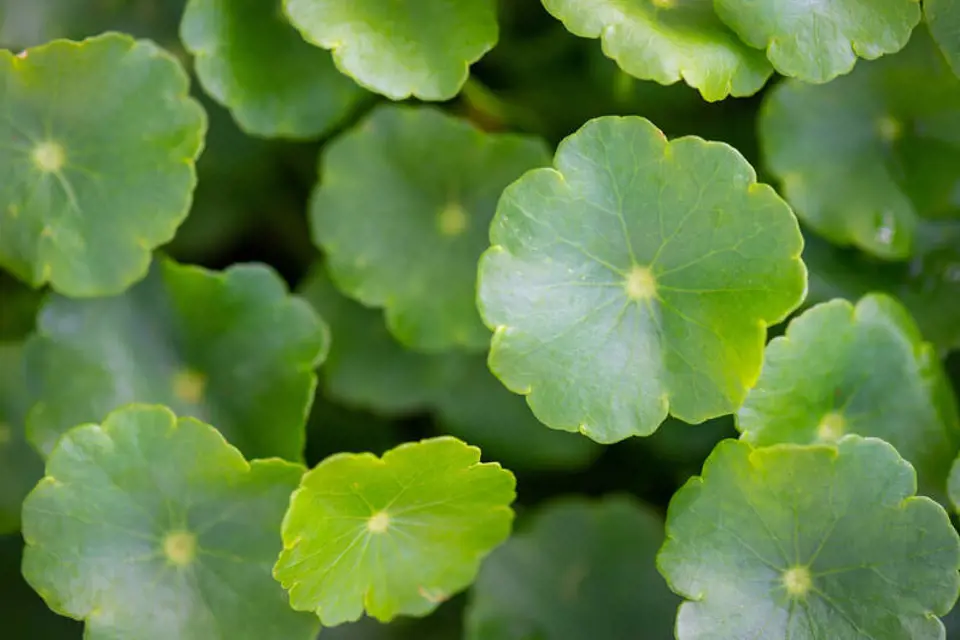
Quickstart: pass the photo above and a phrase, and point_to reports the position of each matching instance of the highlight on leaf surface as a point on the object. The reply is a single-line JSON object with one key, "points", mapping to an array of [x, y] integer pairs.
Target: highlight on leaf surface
{"points": [[395, 535], [251, 60], [636, 278], [864, 158], [421, 49], [100, 139], [402, 212], [232, 348], [669, 40], [20, 467], [151, 527], [861, 369], [577, 569], [818, 43], [809, 541], [943, 18]]}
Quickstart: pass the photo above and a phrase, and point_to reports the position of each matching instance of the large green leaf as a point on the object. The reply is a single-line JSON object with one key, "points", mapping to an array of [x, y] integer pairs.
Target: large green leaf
{"points": [[402, 210], [578, 570], [807, 542], [151, 527], [392, 535], [231, 348], [251, 60], [100, 140], [817, 43], [943, 18], [20, 466], [860, 369], [669, 40], [636, 279], [400, 49], [864, 157]]}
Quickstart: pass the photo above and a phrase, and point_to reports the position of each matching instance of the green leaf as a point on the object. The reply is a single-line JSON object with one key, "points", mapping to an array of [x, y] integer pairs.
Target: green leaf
{"points": [[928, 285], [636, 278], [230, 348], [151, 527], [402, 211], [20, 467], [252, 61], [864, 157], [818, 43], [400, 49], [861, 369], [668, 40], [100, 140], [943, 18], [809, 541], [393, 535], [580, 569]]}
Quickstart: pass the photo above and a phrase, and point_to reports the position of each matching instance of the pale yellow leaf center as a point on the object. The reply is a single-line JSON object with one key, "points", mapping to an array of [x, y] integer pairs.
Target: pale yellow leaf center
{"points": [[48, 157], [189, 386], [640, 283], [831, 427], [797, 581], [378, 522], [452, 220], [180, 547]]}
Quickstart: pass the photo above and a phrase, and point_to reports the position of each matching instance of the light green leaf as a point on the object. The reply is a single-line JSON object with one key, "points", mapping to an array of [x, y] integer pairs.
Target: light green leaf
{"points": [[151, 527], [252, 61], [669, 40], [402, 212], [421, 49], [943, 18], [100, 140], [817, 43], [809, 541], [861, 369], [20, 466], [636, 278], [864, 157], [393, 535], [231, 348], [580, 569]]}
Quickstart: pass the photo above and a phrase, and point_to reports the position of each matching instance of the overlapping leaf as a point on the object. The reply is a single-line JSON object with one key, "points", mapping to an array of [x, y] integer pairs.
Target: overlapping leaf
{"points": [[20, 466], [666, 41], [100, 140], [393, 535], [151, 527], [251, 60], [943, 18], [402, 211], [636, 278], [809, 541], [232, 348], [861, 369], [817, 43], [421, 49], [864, 157], [578, 570]]}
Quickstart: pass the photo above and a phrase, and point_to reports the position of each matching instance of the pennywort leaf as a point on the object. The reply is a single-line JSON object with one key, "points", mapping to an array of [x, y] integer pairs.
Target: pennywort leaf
{"points": [[151, 527], [392, 535], [943, 18], [636, 279], [809, 541], [230, 347], [100, 139]]}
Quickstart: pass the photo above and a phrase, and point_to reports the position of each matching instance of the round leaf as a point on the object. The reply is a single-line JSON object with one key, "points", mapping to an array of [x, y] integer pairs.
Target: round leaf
{"points": [[860, 369], [20, 467], [402, 212], [636, 278], [231, 348], [579, 570], [819, 43], [252, 61], [149, 527], [809, 541], [943, 18], [666, 41], [392, 535], [100, 140], [863, 157], [400, 49]]}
